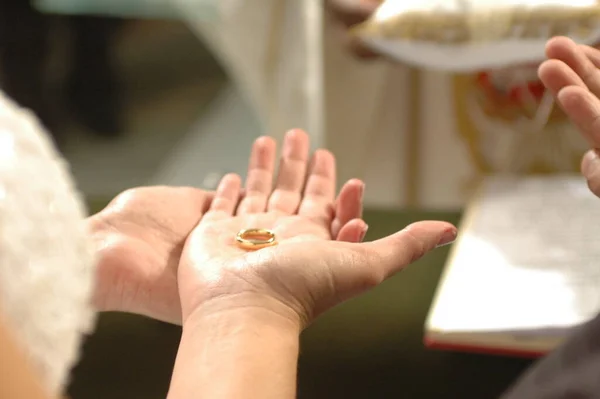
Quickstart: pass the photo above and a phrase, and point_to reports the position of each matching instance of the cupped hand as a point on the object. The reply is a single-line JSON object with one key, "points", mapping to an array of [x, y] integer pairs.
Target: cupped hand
{"points": [[571, 74], [307, 271], [141, 234]]}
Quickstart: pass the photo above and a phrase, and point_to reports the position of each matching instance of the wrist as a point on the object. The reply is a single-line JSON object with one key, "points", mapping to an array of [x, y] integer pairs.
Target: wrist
{"points": [[249, 309], [233, 349]]}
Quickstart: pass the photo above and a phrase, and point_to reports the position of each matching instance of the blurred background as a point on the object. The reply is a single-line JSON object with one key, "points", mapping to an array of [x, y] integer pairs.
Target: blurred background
{"points": [[129, 101], [144, 92]]}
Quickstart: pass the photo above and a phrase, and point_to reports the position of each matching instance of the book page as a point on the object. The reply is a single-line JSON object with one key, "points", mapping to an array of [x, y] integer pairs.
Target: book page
{"points": [[527, 259]]}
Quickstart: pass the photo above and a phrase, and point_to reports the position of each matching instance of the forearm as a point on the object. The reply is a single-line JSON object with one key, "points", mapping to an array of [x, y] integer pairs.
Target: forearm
{"points": [[17, 377], [241, 353]]}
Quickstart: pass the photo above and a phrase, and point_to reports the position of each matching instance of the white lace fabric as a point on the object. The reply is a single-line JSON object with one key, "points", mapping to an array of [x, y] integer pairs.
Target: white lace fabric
{"points": [[46, 258]]}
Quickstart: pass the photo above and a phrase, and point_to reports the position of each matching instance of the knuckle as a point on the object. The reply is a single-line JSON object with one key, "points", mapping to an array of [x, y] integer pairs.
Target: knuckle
{"points": [[373, 278], [415, 248], [368, 261]]}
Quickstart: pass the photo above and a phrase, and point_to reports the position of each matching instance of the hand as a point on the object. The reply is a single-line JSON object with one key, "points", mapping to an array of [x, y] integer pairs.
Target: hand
{"points": [[306, 273], [347, 13], [571, 74], [141, 234]]}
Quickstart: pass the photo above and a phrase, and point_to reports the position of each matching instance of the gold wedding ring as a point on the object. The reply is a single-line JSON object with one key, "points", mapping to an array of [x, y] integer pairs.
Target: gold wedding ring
{"points": [[253, 239]]}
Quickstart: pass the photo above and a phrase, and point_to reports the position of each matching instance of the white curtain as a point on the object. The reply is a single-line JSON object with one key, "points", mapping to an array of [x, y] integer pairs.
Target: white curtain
{"points": [[287, 58], [273, 51]]}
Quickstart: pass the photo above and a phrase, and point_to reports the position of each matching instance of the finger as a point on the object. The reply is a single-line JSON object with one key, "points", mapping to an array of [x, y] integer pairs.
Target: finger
{"points": [[567, 51], [226, 198], [556, 75], [259, 181], [349, 205], [292, 173], [389, 255], [319, 194], [583, 109], [353, 231], [573, 96], [206, 200], [592, 53], [590, 169]]}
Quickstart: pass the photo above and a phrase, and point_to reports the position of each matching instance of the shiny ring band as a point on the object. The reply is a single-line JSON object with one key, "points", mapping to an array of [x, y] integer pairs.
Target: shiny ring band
{"points": [[253, 239]]}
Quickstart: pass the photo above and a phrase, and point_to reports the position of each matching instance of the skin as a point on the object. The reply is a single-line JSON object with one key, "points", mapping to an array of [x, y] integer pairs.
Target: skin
{"points": [[141, 233], [571, 74], [243, 311], [241, 334], [141, 236], [17, 378]]}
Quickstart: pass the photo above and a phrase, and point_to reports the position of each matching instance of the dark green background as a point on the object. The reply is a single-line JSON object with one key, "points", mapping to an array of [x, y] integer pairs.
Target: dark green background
{"points": [[368, 347]]}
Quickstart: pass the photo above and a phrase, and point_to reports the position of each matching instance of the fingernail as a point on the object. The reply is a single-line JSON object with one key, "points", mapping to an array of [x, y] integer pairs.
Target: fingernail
{"points": [[363, 233], [447, 238]]}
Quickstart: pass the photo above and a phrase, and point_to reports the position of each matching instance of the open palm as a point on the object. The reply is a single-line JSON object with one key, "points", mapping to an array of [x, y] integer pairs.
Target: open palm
{"points": [[141, 234], [308, 271], [301, 208]]}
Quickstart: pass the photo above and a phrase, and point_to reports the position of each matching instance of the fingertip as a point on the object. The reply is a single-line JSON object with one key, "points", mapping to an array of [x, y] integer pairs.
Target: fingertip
{"points": [[356, 183], [448, 237], [547, 69], [349, 203], [353, 232], [296, 145], [296, 134], [229, 183], [353, 189], [323, 153], [572, 97], [264, 143], [395, 252], [556, 46], [262, 155], [232, 177], [429, 235], [227, 195], [420, 236], [556, 75]]}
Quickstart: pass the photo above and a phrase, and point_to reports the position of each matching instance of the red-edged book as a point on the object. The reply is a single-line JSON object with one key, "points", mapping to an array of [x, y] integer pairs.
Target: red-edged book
{"points": [[524, 271]]}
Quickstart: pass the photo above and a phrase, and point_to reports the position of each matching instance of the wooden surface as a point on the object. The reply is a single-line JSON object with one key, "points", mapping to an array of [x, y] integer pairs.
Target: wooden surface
{"points": [[369, 347]]}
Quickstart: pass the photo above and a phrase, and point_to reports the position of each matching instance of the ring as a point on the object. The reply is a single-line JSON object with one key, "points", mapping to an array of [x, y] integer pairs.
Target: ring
{"points": [[253, 239]]}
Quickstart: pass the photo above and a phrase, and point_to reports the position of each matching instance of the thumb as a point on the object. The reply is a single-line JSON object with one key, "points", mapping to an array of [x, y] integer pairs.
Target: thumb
{"points": [[394, 252], [590, 168]]}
